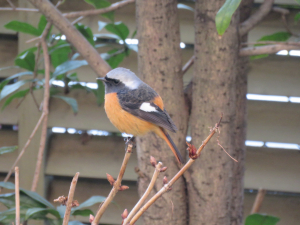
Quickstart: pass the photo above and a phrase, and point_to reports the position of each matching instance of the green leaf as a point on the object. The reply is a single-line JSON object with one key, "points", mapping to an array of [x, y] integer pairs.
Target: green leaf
{"points": [[133, 34], [61, 210], [298, 1], [37, 197], [60, 53], [69, 65], [42, 24], [83, 212], [71, 101], [114, 58], [99, 4], [297, 17], [118, 28], [32, 49], [260, 219], [253, 57], [26, 61], [26, 202], [224, 15], [22, 27], [8, 89], [18, 94], [279, 36], [86, 32], [33, 211], [182, 6], [7, 149], [91, 201]]}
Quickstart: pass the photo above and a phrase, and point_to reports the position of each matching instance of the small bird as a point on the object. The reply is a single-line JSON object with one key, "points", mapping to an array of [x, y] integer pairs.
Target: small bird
{"points": [[135, 108]]}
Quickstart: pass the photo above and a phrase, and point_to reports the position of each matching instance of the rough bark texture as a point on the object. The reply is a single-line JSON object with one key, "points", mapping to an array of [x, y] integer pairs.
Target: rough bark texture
{"points": [[240, 126], [159, 65], [214, 92]]}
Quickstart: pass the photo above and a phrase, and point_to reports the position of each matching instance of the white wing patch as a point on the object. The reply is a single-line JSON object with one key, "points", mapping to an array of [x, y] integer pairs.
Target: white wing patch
{"points": [[147, 107]]}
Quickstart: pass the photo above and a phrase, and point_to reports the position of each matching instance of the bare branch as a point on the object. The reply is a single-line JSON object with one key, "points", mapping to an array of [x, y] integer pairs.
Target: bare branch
{"points": [[280, 10], [271, 42], [18, 9], [257, 17], [113, 7], [188, 65], [167, 186], [268, 49], [17, 195], [74, 36], [145, 195], [258, 200], [25, 147], [45, 108], [116, 185], [70, 199]]}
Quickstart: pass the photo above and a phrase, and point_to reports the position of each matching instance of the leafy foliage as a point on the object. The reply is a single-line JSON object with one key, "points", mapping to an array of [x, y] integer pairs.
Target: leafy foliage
{"points": [[224, 15], [33, 206], [260, 219]]}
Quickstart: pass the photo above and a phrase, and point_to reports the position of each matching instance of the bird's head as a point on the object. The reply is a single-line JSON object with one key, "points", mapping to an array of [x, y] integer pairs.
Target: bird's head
{"points": [[119, 78]]}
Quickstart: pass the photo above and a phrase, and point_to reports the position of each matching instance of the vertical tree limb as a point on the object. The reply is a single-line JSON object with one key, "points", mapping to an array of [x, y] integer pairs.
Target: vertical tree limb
{"points": [[45, 108], [116, 185], [17, 195], [70, 199]]}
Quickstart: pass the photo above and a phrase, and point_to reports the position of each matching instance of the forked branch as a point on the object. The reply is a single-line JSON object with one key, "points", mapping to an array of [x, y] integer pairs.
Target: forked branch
{"points": [[116, 185], [168, 185]]}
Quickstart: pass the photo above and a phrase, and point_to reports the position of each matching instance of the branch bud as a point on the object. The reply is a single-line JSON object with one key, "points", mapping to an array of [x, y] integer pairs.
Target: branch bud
{"points": [[75, 203], [110, 179], [163, 169], [123, 188], [165, 180], [124, 214], [192, 151], [153, 161], [91, 219]]}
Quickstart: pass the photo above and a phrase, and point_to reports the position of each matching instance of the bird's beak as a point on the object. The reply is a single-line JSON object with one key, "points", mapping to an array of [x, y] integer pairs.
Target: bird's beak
{"points": [[101, 78]]}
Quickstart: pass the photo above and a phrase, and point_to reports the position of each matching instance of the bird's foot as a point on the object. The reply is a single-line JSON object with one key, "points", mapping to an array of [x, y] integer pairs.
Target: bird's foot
{"points": [[129, 140]]}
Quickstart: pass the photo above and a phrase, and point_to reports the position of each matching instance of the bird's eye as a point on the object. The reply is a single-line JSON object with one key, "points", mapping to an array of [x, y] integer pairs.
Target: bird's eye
{"points": [[116, 81]]}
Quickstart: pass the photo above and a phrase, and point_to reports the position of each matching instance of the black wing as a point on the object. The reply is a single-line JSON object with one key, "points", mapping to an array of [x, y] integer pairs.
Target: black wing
{"points": [[160, 117], [131, 101]]}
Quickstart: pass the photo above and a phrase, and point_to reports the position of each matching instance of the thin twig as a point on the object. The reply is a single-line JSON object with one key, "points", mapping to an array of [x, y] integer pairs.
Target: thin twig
{"points": [[268, 49], [271, 42], [145, 195], [116, 185], [11, 4], [257, 17], [17, 195], [18, 9], [25, 147], [45, 111], [188, 65], [70, 199], [167, 186], [258, 200], [113, 7], [77, 20]]}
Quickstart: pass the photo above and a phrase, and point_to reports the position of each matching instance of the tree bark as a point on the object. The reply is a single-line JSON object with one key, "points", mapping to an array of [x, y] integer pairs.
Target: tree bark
{"points": [[159, 65], [237, 203], [214, 92]]}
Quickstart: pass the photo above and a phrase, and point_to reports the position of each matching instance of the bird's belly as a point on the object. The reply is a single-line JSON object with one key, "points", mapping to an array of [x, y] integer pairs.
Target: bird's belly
{"points": [[123, 120]]}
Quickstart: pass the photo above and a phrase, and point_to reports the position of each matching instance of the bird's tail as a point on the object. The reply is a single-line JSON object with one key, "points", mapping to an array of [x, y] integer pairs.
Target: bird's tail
{"points": [[168, 139]]}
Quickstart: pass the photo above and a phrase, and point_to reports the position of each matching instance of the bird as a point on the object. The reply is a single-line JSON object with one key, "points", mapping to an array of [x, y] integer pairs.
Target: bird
{"points": [[133, 107]]}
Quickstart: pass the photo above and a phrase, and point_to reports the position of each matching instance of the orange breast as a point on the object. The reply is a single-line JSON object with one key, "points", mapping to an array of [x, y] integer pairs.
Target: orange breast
{"points": [[123, 120]]}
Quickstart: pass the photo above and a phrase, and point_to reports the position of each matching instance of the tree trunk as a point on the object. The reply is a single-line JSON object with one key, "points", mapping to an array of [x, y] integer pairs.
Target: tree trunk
{"points": [[159, 65], [241, 125], [214, 92]]}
